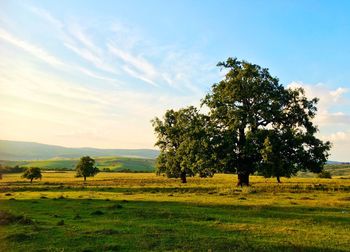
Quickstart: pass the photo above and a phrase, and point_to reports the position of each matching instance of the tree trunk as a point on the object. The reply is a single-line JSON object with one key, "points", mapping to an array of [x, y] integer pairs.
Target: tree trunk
{"points": [[243, 179], [84, 178], [278, 179], [31, 180], [183, 177], [243, 163]]}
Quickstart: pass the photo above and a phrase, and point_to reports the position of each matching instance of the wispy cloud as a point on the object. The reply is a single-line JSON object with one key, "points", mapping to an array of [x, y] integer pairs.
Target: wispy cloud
{"points": [[46, 57], [81, 36], [29, 48], [83, 45], [75, 39], [47, 16], [61, 101], [134, 54], [137, 67]]}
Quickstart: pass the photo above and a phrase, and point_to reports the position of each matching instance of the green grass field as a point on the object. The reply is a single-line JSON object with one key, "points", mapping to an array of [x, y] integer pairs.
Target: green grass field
{"points": [[114, 163], [133, 164], [145, 212]]}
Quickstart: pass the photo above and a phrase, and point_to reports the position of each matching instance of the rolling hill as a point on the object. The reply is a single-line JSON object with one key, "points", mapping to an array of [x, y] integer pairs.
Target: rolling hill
{"points": [[16, 150], [112, 163]]}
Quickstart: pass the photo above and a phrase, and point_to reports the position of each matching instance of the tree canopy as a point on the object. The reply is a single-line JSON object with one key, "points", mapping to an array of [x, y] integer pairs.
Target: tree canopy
{"points": [[184, 141], [254, 124], [32, 173], [86, 167]]}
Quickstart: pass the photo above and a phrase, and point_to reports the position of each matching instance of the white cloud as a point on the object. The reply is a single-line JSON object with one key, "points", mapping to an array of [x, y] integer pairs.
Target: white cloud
{"points": [[333, 118], [340, 145], [336, 94], [339, 136], [329, 99]]}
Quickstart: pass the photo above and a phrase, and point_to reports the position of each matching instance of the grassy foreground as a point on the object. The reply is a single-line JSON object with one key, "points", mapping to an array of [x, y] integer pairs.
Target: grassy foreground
{"points": [[145, 212]]}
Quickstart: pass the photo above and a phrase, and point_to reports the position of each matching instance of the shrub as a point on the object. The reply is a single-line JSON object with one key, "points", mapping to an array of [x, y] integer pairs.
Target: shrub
{"points": [[325, 174]]}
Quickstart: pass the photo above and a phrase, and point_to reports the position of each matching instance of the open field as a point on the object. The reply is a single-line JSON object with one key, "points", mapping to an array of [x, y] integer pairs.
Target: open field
{"points": [[143, 212], [133, 164]]}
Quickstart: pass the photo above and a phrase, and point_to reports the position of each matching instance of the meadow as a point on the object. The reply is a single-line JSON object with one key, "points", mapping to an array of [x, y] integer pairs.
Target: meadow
{"points": [[145, 212]]}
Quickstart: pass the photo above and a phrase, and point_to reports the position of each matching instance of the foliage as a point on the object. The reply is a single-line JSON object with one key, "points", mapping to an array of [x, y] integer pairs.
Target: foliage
{"points": [[325, 174], [263, 126], [86, 167], [10, 169], [32, 173], [185, 144], [254, 125]]}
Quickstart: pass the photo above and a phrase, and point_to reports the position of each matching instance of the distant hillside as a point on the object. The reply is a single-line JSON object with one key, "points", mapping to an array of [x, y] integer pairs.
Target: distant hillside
{"points": [[342, 169], [15, 150], [112, 163]]}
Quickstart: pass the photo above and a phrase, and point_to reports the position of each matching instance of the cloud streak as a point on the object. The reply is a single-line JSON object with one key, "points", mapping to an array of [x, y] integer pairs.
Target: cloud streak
{"points": [[29, 48], [137, 67], [47, 16], [46, 57]]}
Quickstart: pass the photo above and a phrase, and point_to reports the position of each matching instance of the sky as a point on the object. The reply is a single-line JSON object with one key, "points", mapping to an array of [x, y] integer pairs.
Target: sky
{"points": [[94, 73]]}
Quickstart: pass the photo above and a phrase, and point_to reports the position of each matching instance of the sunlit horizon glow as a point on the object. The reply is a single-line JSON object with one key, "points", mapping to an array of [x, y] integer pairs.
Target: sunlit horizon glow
{"points": [[91, 74]]}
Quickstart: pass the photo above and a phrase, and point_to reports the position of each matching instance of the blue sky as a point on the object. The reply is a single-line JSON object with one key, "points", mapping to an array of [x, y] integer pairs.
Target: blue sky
{"points": [[94, 73]]}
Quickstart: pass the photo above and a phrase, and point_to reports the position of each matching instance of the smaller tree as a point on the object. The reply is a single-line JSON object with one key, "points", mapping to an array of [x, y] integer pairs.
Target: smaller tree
{"points": [[185, 144], [32, 173], [86, 167]]}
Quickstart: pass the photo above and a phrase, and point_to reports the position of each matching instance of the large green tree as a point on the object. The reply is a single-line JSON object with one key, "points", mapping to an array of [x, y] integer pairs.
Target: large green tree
{"points": [[86, 167], [185, 144], [263, 126]]}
